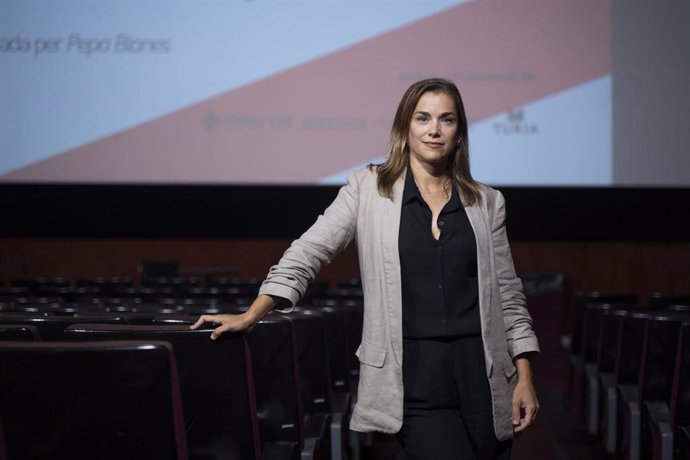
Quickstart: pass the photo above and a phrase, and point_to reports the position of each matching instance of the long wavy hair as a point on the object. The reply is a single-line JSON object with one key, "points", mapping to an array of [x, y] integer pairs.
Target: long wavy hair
{"points": [[398, 155]]}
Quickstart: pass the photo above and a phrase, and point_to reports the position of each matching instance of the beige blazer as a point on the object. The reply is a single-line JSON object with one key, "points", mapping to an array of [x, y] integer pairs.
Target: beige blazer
{"points": [[360, 213]]}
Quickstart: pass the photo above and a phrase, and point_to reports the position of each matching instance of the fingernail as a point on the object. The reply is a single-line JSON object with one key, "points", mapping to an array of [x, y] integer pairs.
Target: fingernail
{"points": [[213, 336]]}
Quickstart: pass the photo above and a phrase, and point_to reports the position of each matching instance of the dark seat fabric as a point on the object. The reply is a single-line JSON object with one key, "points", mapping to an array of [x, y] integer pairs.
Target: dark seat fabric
{"points": [[35, 285], [12, 293], [52, 327], [656, 375], [581, 300], [626, 374], [102, 400], [608, 352], [311, 341], [244, 287], [158, 268], [584, 367], [583, 347], [682, 443], [664, 299], [105, 285], [659, 356], [645, 383], [216, 384], [317, 391], [290, 356], [663, 418], [18, 332], [342, 334], [277, 379], [340, 344], [680, 396]]}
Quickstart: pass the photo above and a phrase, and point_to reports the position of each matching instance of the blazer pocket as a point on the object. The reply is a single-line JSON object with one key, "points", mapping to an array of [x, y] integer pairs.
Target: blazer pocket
{"points": [[371, 355], [509, 368]]}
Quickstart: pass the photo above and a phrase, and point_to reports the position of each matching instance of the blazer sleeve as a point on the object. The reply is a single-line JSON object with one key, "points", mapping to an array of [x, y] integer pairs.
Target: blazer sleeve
{"points": [[518, 322], [330, 234]]}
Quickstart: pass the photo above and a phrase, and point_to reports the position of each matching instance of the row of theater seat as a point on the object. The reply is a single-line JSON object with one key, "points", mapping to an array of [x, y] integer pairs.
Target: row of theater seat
{"points": [[630, 377], [282, 390], [165, 295], [177, 285]]}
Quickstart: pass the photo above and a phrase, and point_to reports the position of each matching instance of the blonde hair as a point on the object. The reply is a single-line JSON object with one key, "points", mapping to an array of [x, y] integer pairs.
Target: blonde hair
{"points": [[397, 158]]}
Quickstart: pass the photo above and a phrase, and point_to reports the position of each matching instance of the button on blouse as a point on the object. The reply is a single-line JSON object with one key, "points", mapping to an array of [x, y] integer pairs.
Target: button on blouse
{"points": [[439, 277]]}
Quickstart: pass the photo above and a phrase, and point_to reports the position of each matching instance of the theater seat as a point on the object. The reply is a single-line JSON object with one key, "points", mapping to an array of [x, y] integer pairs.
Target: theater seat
{"points": [[91, 400], [653, 389], [18, 332], [680, 400], [275, 363], [291, 376], [52, 327], [216, 385], [666, 419]]}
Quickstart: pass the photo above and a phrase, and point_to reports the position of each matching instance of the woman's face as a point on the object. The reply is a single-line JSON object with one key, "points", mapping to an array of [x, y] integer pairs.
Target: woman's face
{"points": [[433, 129]]}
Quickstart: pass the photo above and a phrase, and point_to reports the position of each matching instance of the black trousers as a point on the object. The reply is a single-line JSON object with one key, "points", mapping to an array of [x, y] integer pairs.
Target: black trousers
{"points": [[447, 407]]}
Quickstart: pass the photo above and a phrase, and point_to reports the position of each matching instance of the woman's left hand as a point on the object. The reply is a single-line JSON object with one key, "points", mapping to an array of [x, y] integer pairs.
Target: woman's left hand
{"points": [[525, 402]]}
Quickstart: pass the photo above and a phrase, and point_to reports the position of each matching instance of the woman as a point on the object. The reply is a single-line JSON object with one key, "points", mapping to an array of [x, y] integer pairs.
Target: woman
{"points": [[444, 313]]}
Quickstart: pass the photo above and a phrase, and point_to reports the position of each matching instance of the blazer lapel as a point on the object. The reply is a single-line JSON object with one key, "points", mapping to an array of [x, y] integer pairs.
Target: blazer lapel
{"points": [[391, 210]]}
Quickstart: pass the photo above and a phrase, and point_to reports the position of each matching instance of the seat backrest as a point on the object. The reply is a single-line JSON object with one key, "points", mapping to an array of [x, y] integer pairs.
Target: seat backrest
{"points": [[158, 268], [315, 289], [340, 344], [245, 287], [608, 340], [215, 380], [680, 395], [19, 332], [310, 329], [659, 357], [52, 327], [12, 293], [629, 352], [104, 400], [664, 299], [581, 300], [592, 330], [36, 284], [678, 307], [106, 286], [276, 380]]}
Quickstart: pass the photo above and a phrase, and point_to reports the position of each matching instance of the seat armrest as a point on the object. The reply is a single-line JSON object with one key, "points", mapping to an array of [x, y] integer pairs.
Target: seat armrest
{"points": [[340, 403], [628, 393], [660, 432], [280, 451], [340, 409], [658, 411], [311, 448], [682, 443], [608, 379], [316, 425]]}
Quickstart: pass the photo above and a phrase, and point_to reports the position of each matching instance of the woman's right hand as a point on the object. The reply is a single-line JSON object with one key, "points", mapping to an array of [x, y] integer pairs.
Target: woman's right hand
{"points": [[243, 321], [228, 323]]}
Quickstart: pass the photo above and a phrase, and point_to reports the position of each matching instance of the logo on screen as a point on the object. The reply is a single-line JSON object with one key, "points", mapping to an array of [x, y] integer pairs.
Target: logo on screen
{"points": [[515, 124]]}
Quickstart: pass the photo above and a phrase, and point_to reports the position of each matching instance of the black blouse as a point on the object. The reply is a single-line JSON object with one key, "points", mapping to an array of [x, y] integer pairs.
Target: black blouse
{"points": [[439, 277]]}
